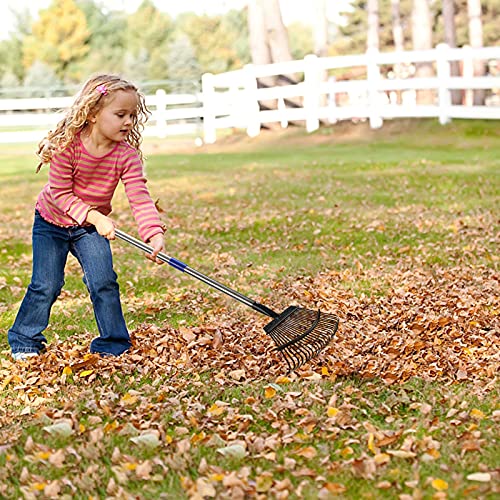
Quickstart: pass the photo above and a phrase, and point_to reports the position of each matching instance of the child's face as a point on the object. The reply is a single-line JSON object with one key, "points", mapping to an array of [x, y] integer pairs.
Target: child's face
{"points": [[115, 120]]}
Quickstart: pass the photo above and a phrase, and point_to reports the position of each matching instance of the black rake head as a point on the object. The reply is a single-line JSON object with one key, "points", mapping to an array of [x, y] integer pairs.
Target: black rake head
{"points": [[301, 334]]}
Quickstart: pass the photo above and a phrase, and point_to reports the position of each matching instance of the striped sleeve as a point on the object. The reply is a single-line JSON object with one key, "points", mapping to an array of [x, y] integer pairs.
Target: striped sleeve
{"points": [[141, 203], [61, 187]]}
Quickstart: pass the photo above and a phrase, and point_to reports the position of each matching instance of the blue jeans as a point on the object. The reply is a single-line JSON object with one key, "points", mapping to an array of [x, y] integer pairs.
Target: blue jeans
{"points": [[51, 245]]}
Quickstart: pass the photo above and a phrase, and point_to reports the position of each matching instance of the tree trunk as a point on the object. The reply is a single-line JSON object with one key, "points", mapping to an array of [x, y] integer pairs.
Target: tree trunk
{"points": [[422, 40], [450, 37], [259, 45], [476, 40], [397, 29], [398, 38], [268, 42], [320, 31], [372, 37], [277, 35]]}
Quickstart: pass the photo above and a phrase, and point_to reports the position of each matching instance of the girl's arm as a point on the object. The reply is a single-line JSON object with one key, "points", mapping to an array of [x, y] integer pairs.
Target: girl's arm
{"points": [[61, 188], [141, 203]]}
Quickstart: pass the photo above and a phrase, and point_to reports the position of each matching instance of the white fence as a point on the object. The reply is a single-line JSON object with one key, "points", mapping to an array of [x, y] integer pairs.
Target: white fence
{"points": [[234, 99]]}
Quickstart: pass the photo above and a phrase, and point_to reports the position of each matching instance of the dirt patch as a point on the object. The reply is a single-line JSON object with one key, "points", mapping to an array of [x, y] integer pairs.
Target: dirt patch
{"points": [[345, 132]]}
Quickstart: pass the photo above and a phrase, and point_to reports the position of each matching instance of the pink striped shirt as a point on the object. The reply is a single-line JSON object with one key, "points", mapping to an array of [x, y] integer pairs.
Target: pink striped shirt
{"points": [[79, 181]]}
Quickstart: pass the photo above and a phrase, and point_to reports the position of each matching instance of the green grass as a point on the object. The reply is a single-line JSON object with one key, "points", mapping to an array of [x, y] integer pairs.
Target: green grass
{"points": [[261, 218]]}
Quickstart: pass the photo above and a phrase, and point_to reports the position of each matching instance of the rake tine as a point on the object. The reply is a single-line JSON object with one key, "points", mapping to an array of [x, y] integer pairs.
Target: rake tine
{"points": [[301, 334]]}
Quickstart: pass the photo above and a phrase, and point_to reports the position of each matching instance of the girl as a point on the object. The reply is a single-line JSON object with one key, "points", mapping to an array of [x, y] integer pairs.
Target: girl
{"points": [[95, 145]]}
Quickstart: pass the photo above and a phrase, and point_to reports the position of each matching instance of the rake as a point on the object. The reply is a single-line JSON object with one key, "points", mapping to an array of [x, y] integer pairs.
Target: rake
{"points": [[299, 334]]}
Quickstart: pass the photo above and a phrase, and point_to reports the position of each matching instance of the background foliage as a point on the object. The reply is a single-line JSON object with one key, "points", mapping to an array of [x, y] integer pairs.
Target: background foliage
{"points": [[74, 38]]}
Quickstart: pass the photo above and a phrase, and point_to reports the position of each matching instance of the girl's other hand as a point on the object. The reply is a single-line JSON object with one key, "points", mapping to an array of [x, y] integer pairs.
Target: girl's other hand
{"points": [[158, 244], [104, 225]]}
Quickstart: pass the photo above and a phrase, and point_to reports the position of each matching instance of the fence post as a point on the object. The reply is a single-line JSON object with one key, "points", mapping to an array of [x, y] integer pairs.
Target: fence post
{"points": [[252, 103], [468, 72], [160, 115], [282, 109], [311, 95], [443, 77], [372, 79], [208, 101], [332, 100]]}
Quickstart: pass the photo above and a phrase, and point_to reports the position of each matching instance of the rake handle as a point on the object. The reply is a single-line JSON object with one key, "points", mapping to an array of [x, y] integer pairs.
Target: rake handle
{"points": [[181, 266]]}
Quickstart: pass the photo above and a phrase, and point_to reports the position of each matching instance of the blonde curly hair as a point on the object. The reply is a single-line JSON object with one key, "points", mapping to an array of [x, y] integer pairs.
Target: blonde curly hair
{"points": [[93, 96]]}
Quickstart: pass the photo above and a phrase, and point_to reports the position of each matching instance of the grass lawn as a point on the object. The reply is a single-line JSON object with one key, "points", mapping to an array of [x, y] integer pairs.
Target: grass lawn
{"points": [[395, 230]]}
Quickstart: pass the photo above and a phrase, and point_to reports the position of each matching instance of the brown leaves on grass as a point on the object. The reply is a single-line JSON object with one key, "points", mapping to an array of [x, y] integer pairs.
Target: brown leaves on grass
{"points": [[436, 325], [431, 324], [441, 325]]}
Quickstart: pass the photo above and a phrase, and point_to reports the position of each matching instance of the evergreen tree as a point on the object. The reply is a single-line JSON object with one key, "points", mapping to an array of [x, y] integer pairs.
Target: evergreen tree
{"points": [[9, 84], [352, 38], [41, 80], [183, 66]]}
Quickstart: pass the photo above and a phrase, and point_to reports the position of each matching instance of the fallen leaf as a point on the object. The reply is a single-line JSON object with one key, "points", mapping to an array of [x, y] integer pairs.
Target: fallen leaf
{"points": [[264, 483], [482, 477], [62, 429], [205, 488], [143, 471], [477, 414], [439, 484], [269, 392], [147, 440], [233, 451], [307, 452], [401, 453], [332, 412]]}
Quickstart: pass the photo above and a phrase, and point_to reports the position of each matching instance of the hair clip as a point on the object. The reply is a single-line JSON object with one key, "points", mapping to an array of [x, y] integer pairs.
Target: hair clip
{"points": [[102, 89]]}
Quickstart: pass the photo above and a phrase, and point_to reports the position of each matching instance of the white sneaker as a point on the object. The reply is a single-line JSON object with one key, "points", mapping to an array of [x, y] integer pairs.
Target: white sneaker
{"points": [[23, 356]]}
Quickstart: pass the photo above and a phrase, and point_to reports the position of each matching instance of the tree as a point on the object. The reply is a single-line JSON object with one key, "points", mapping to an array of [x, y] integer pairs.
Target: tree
{"points": [[352, 37], [259, 44], [235, 24], [183, 66], [11, 50], [148, 33], [397, 28], [59, 38], [301, 41], [107, 40], [476, 40], [40, 80], [9, 85], [372, 37], [450, 37], [398, 38], [422, 40], [268, 36], [276, 32], [320, 28], [215, 40]]}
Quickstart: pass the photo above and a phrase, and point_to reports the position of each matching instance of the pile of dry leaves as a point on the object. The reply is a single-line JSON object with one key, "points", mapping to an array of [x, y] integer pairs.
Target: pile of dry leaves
{"points": [[441, 324]]}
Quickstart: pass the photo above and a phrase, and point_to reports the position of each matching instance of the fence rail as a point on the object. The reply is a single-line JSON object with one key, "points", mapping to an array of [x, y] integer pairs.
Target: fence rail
{"points": [[237, 99]]}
